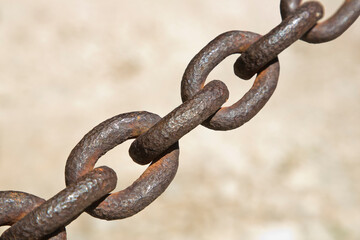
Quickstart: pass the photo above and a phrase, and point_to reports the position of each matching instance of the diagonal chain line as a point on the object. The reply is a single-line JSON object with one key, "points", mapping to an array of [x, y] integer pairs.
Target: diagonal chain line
{"points": [[88, 189]]}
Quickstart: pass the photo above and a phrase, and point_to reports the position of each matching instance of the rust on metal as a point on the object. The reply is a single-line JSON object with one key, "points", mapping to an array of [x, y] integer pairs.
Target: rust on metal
{"points": [[178, 122], [88, 188], [103, 138], [282, 36], [64, 207], [330, 29], [18, 205], [208, 58]]}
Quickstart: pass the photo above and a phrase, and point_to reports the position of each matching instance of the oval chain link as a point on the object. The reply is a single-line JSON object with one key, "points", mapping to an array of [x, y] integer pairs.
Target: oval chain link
{"points": [[277, 40], [64, 207], [106, 136], [208, 58], [330, 29], [18, 205]]}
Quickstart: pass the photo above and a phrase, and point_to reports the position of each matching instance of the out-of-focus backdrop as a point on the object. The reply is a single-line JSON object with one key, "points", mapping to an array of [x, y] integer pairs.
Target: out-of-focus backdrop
{"points": [[291, 173]]}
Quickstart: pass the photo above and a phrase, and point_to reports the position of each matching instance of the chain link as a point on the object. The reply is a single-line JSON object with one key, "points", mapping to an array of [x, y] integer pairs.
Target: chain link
{"points": [[209, 57], [281, 37], [19, 204], [106, 136], [156, 139], [330, 29]]}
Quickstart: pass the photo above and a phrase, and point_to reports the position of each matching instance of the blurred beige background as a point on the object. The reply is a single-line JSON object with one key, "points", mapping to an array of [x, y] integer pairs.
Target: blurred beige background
{"points": [[291, 173]]}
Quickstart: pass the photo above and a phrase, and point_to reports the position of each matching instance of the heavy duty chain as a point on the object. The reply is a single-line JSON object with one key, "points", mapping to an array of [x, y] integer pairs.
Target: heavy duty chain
{"points": [[156, 139]]}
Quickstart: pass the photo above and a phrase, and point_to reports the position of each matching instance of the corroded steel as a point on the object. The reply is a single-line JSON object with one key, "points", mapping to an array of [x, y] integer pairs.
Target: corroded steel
{"points": [[330, 29], [18, 205], [106, 136], [179, 122], [64, 207], [208, 58], [272, 44], [156, 141]]}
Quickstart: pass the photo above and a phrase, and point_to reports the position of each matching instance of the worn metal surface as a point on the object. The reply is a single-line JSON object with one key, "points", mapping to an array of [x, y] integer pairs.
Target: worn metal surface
{"points": [[18, 205], [64, 207], [208, 58], [106, 136], [284, 167], [330, 29], [178, 122], [282, 36]]}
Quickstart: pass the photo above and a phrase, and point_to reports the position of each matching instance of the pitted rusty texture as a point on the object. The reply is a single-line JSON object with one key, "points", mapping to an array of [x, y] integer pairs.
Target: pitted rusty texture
{"points": [[88, 188], [208, 58], [179, 122], [18, 205], [103, 138], [64, 207], [330, 29], [282, 36]]}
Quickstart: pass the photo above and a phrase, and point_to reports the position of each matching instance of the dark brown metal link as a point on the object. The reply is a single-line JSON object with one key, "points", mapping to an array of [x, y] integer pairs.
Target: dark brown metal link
{"points": [[330, 29], [179, 122], [208, 58], [272, 44], [103, 138], [16, 205], [64, 207]]}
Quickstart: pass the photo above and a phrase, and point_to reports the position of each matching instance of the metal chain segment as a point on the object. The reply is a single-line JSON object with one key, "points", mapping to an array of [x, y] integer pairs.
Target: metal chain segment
{"points": [[18, 205], [330, 29], [88, 188], [64, 207], [272, 44], [208, 58], [178, 122], [103, 138]]}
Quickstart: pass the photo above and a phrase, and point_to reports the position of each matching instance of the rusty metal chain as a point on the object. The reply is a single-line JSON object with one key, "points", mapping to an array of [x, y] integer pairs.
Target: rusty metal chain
{"points": [[156, 139]]}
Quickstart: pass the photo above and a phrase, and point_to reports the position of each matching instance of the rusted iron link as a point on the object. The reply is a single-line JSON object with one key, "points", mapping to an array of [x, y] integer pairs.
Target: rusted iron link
{"points": [[330, 29], [178, 122], [64, 207], [208, 58], [272, 44], [103, 138], [15, 205]]}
